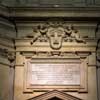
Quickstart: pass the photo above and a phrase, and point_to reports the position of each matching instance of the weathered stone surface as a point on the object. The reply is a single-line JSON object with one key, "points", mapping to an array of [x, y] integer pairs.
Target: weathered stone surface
{"points": [[17, 32], [51, 3]]}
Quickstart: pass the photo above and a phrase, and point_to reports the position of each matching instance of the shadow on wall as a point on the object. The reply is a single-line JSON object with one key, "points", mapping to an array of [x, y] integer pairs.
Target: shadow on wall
{"points": [[55, 98]]}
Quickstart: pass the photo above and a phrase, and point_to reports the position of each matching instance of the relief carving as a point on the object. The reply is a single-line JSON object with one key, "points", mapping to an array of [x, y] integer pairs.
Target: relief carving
{"points": [[55, 36], [73, 34], [9, 55], [55, 33]]}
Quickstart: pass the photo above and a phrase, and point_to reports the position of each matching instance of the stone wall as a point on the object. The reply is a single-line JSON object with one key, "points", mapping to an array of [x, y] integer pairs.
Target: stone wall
{"points": [[18, 36], [41, 48], [51, 3], [7, 33]]}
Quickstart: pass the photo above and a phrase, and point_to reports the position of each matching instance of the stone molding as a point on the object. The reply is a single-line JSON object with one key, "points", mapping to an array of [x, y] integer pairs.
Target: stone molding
{"points": [[55, 93], [98, 54], [55, 57], [70, 13], [4, 11], [18, 13]]}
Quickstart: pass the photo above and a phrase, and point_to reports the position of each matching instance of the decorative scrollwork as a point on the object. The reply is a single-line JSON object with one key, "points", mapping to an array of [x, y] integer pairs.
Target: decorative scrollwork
{"points": [[55, 33]]}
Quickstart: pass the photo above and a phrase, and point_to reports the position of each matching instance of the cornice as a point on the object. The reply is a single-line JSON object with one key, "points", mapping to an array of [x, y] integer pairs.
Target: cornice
{"points": [[57, 8], [35, 13], [77, 13]]}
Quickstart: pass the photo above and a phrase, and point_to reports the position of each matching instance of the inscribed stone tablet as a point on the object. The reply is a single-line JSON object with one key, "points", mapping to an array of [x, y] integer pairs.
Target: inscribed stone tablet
{"points": [[55, 74]]}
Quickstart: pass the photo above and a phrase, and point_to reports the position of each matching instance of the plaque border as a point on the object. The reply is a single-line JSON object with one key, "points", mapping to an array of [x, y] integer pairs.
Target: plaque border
{"points": [[78, 88]]}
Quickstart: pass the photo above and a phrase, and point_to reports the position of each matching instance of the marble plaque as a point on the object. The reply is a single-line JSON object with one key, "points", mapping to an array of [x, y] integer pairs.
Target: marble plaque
{"points": [[55, 74]]}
